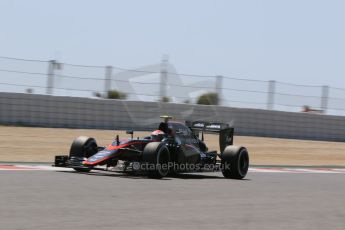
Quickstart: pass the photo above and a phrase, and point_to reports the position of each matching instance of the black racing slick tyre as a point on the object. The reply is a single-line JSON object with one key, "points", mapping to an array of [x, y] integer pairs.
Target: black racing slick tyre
{"points": [[235, 162], [82, 147], [156, 158]]}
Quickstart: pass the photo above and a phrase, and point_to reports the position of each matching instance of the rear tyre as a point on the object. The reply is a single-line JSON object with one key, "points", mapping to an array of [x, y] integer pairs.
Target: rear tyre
{"points": [[235, 162], [156, 157], [82, 147]]}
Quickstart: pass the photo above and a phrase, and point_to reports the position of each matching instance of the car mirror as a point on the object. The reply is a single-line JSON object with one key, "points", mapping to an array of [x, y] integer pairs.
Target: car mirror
{"points": [[131, 132]]}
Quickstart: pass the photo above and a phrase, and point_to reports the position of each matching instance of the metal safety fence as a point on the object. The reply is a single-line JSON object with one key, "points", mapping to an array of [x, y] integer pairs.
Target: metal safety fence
{"points": [[162, 82]]}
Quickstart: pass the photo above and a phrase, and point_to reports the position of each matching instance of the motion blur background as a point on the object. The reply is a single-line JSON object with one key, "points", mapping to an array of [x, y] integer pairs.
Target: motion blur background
{"points": [[265, 55]]}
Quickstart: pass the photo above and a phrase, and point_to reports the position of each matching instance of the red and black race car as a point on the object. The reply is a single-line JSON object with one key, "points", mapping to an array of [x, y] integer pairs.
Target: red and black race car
{"points": [[173, 148]]}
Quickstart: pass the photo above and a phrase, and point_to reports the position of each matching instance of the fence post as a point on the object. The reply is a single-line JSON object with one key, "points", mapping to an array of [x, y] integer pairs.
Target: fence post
{"points": [[163, 79], [271, 94], [50, 77], [324, 99], [218, 88], [107, 79]]}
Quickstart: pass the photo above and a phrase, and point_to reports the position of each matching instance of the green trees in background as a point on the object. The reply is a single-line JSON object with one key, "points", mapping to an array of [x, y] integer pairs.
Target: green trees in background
{"points": [[114, 94], [208, 99], [165, 99], [204, 99]]}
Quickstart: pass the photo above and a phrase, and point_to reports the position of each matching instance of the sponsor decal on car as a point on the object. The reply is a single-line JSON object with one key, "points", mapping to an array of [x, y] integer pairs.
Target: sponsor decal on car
{"points": [[199, 125], [213, 126]]}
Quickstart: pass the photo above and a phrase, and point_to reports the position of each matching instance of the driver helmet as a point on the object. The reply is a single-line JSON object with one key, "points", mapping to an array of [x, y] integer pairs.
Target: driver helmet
{"points": [[157, 135]]}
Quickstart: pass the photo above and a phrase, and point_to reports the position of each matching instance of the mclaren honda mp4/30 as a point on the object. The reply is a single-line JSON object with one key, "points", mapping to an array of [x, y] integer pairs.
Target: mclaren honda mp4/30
{"points": [[171, 149]]}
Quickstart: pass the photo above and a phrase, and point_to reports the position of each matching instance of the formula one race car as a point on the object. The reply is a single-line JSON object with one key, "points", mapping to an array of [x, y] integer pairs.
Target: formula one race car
{"points": [[171, 149]]}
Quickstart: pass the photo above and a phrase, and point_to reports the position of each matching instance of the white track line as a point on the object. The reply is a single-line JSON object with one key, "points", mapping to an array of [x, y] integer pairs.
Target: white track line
{"points": [[21, 167], [16, 167], [297, 170]]}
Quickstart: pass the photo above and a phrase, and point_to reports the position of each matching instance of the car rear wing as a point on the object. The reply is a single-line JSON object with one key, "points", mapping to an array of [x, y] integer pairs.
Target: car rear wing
{"points": [[226, 133]]}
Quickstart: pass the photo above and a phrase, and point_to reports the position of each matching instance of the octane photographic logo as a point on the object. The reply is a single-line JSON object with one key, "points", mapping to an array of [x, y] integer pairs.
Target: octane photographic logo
{"points": [[146, 116], [168, 84], [137, 166]]}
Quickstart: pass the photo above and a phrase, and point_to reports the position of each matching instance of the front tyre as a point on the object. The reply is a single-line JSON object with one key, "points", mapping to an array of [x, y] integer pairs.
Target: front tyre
{"points": [[82, 147], [156, 158], [235, 162]]}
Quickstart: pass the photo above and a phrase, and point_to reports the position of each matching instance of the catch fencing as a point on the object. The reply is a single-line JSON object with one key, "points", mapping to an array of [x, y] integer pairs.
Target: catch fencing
{"points": [[153, 82]]}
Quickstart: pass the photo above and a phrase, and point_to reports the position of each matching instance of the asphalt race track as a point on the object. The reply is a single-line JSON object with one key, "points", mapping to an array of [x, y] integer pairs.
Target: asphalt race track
{"points": [[67, 200]]}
